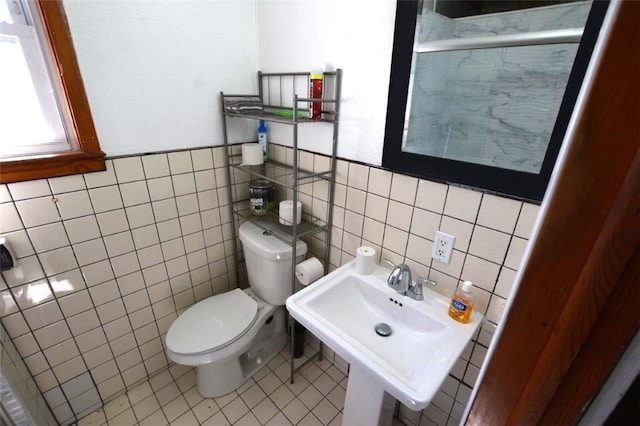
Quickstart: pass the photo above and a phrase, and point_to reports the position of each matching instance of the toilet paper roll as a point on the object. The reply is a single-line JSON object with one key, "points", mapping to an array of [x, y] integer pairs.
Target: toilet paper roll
{"points": [[309, 271], [365, 260], [252, 154], [286, 212]]}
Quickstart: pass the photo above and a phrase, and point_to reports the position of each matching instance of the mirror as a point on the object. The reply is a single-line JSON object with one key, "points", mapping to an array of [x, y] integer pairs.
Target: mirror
{"points": [[481, 91]]}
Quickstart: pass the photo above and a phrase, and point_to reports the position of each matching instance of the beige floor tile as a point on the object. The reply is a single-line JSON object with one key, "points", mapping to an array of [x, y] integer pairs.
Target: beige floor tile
{"points": [[279, 420], [248, 420], [160, 380], [269, 383], [226, 399], [97, 418], [116, 406], [310, 420], [171, 397], [217, 419], [187, 419], [145, 407], [310, 397], [265, 410], [336, 396], [175, 408], [205, 409], [324, 384], [295, 411], [253, 396], [126, 418], [187, 380], [140, 392], [325, 411], [299, 384], [193, 397], [235, 410], [156, 419], [168, 393], [282, 396]]}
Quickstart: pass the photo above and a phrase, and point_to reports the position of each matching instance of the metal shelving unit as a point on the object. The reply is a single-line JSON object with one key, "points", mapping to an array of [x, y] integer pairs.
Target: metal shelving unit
{"points": [[278, 93]]}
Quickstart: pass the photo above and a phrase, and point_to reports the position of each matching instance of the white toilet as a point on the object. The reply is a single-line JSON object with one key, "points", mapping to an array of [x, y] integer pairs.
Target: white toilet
{"points": [[231, 335]]}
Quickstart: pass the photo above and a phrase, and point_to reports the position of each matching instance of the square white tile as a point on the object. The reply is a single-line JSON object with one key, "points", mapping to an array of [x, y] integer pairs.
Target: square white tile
{"points": [[403, 188], [202, 159], [380, 182], [180, 162], [431, 195], [98, 179], [134, 193], [160, 188], [58, 260], [106, 198], [462, 204], [35, 212], [499, 213], [10, 219], [82, 229], [63, 184], [112, 222], [128, 169], [29, 189], [155, 165]]}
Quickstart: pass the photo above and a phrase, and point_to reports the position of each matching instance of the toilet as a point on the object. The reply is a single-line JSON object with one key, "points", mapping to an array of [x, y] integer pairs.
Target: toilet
{"points": [[229, 336]]}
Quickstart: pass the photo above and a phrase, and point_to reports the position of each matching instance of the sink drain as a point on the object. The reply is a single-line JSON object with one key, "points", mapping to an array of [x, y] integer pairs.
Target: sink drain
{"points": [[383, 329]]}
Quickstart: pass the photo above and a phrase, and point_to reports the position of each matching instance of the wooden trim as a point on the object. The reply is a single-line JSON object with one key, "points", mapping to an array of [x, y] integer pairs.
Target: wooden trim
{"points": [[87, 156], [583, 268]]}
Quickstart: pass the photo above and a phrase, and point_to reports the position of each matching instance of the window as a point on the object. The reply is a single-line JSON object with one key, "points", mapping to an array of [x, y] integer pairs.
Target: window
{"points": [[46, 128], [481, 94]]}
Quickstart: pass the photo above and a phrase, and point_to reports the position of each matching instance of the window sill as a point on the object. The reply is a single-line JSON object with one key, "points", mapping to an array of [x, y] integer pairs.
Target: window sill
{"points": [[53, 165]]}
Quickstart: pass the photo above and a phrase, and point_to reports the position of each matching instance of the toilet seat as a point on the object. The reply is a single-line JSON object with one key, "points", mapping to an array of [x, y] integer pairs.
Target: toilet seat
{"points": [[212, 323]]}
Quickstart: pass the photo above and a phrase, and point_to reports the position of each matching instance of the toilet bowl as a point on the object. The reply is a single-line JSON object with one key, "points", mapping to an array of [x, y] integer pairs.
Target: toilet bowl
{"points": [[230, 336]]}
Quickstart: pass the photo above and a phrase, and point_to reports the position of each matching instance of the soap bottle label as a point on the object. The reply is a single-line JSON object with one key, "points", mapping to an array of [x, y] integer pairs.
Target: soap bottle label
{"points": [[459, 305]]}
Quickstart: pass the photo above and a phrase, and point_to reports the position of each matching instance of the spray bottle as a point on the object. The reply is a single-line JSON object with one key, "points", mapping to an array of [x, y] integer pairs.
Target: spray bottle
{"points": [[262, 139]]}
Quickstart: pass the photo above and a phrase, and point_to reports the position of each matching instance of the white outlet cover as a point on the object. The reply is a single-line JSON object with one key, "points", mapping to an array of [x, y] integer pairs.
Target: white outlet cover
{"points": [[442, 247]]}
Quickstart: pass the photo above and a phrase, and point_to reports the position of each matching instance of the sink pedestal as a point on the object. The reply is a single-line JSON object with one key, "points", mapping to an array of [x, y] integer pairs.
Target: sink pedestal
{"points": [[366, 402]]}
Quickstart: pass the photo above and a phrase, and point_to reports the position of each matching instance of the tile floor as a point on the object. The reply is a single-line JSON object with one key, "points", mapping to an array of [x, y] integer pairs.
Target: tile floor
{"points": [[171, 398]]}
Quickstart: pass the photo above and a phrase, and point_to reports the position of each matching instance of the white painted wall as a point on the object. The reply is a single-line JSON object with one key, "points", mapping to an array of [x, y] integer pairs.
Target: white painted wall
{"points": [[355, 35], [153, 69]]}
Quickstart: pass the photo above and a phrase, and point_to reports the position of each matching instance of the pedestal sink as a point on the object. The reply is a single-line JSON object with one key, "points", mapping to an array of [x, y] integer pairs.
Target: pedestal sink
{"points": [[343, 308]]}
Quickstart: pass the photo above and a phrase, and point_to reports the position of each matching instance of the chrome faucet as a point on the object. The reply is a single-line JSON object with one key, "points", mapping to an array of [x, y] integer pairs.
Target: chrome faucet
{"points": [[400, 278], [400, 281]]}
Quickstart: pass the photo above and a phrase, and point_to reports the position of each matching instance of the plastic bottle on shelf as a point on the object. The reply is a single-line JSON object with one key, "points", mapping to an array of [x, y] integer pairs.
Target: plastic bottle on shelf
{"points": [[262, 138], [315, 91], [462, 303]]}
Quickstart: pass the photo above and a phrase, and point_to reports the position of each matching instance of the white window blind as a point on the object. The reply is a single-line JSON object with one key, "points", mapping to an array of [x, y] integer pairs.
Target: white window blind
{"points": [[31, 122]]}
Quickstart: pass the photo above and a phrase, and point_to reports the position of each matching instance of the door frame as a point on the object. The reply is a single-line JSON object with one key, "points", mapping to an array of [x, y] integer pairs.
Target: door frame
{"points": [[577, 304]]}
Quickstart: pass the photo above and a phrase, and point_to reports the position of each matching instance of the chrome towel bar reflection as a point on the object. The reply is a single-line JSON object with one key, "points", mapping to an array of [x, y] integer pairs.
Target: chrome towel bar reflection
{"points": [[568, 35]]}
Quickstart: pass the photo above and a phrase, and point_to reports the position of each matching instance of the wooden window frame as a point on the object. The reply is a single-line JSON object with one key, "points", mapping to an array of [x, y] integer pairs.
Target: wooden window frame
{"points": [[87, 156]]}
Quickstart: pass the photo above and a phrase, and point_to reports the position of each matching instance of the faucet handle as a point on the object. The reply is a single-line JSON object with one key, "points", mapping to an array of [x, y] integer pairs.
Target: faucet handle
{"points": [[390, 263], [415, 291], [423, 280]]}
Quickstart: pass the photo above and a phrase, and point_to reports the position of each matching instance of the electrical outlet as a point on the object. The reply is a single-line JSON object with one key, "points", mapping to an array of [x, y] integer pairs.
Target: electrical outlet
{"points": [[442, 247]]}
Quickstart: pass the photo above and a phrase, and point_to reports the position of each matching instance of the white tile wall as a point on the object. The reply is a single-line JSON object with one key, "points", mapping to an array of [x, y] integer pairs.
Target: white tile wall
{"points": [[111, 259], [106, 262]]}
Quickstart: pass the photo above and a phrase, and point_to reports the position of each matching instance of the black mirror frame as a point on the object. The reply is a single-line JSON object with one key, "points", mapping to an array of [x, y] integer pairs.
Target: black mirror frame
{"points": [[512, 183]]}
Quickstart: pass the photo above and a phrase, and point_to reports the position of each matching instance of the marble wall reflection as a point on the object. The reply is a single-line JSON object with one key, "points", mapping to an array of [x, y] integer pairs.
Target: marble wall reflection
{"points": [[494, 107]]}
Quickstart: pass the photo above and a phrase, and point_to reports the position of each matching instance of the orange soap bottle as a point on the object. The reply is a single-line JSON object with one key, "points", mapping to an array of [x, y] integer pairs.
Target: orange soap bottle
{"points": [[462, 303]]}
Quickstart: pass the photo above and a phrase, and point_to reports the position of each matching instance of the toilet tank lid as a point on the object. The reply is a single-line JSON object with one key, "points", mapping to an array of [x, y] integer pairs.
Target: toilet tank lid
{"points": [[266, 244]]}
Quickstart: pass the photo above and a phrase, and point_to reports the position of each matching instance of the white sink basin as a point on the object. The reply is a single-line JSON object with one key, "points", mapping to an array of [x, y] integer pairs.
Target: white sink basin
{"points": [[342, 309]]}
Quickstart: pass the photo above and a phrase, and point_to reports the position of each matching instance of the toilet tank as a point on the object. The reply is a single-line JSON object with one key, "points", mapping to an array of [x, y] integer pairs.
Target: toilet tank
{"points": [[268, 262]]}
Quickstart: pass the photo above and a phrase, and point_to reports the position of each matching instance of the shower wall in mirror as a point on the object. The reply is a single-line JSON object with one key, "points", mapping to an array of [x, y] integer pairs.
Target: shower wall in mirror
{"points": [[494, 106]]}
